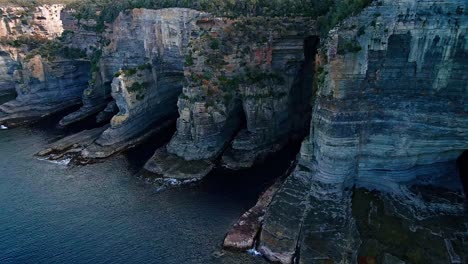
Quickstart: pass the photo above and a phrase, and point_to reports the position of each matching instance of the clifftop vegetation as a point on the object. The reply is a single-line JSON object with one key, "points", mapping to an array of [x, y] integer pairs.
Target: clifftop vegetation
{"points": [[33, 3], [327, 12]]}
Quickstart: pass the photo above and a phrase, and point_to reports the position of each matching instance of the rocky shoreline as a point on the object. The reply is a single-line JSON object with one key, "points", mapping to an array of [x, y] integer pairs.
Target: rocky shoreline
{"points": [[379, 102]]}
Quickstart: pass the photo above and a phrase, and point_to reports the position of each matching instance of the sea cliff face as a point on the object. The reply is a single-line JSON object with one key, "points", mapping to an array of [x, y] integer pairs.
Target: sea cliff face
{"points": [[146, 54], [18, 22], [244, 97], [144, 63], [391, 110], [48, 76], [381, 100]]}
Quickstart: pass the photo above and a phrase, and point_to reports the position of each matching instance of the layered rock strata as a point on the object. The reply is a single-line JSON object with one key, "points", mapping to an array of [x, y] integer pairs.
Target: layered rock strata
{"points": [[243, 86], [391, 109], [244, 232], [48, 75], [78, 35], [71, 146], [144, 60], [45, 87]]}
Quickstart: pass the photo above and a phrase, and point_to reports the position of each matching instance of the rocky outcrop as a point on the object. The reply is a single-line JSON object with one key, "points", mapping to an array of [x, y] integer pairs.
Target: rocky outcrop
{"points": [[390, 109], [71, 146], [45, 87], [42, 22], [18, 23], [145, 60], [244, 232], [243, 86], [79, 35], [49, 75]]}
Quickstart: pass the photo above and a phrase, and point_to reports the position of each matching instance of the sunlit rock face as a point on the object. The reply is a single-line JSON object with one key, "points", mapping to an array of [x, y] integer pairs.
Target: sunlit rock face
{"points": [[145, 59], [42, 22], [392, 109], [45, 84]]}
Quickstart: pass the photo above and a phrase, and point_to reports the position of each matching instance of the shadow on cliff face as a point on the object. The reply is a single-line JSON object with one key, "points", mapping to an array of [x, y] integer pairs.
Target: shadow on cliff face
{"points": [[140, 154], [7, 97], [303, 92], [249, 183], [462, 164]]}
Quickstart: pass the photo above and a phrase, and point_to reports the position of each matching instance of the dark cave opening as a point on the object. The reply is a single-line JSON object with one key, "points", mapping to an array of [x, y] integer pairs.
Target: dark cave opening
{"points": [[311, 45], [462, 164], [249, 183], [6, 97]]}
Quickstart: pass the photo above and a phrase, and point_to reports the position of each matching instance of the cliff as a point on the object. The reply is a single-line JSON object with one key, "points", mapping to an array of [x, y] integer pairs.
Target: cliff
{"points": [[390, 109], [382, 105], [144, 63], [245, 93], [49, 75], [17, 23], [7, 68], [45, 87]]}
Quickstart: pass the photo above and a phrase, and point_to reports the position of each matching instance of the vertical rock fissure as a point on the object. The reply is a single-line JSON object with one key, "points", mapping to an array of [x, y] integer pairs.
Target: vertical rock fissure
{"points": [[462, 163]]}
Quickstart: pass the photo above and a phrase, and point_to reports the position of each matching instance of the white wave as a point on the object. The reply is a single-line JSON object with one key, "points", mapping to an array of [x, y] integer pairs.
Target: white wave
{"points": [[64, 162], [2, 127], [254, 252]]}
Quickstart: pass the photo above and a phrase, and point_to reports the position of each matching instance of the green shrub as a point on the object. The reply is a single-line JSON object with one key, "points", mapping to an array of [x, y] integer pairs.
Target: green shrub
{"points": [[189, 60], [138, 87], [146, 66], [130, 72], [331, 11], [348, 46], [214, 44]]}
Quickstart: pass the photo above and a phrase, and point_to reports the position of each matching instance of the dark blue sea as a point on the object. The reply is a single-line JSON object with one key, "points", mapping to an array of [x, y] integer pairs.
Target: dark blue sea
{"points": [[103, 213]]}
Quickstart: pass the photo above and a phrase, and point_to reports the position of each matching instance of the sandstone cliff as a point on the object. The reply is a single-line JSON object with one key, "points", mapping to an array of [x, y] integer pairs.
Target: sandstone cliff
{"points": [[49, 75], [144, 64], [245, 94], [387, 94], [16, 23], [391, 108]]}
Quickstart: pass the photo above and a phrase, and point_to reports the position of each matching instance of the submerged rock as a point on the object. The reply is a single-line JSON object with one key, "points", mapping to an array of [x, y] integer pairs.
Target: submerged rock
{"points": [[170, 166]]}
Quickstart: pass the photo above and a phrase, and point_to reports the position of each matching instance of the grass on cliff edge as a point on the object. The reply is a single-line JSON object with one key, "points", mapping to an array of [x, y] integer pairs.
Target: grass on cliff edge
{"points": [[327, 12]]}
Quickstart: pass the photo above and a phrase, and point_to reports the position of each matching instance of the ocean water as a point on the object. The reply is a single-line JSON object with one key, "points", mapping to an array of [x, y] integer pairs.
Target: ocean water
{"points": [[105, 213], [102, 213]]}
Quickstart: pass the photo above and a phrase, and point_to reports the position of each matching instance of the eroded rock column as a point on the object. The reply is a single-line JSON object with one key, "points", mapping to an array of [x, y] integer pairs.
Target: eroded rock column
{"points": [[145, 59], [240, 94]]}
